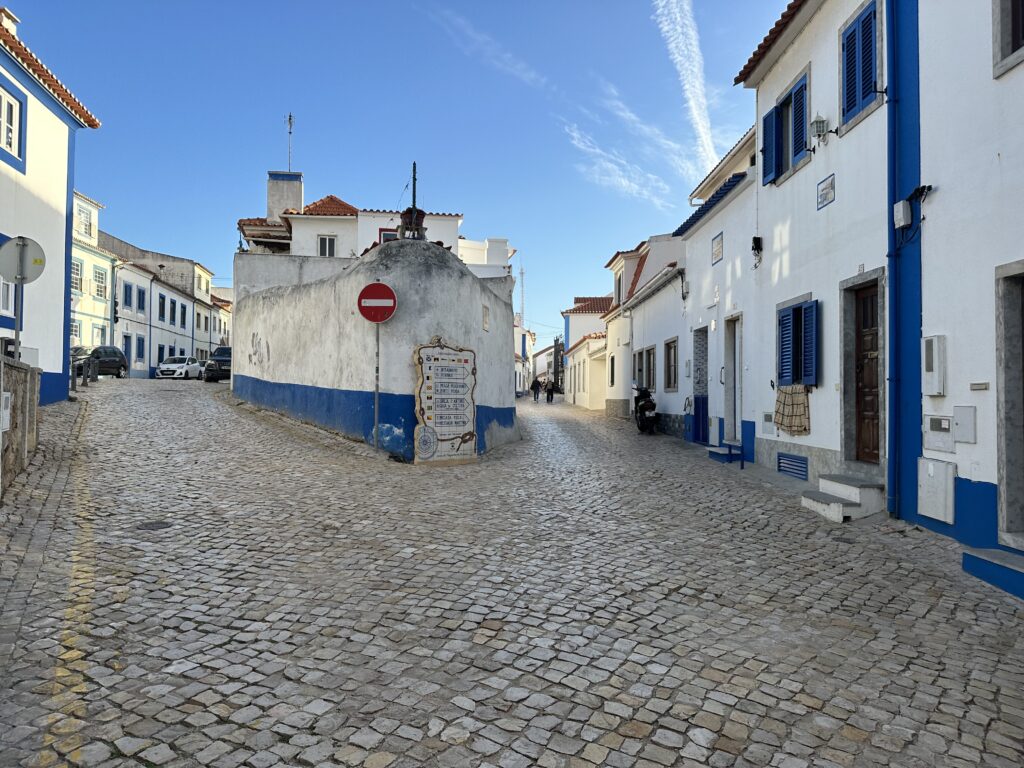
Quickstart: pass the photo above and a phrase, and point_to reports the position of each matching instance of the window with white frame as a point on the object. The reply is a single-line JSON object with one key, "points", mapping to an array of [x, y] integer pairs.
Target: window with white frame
{"points": [[784, 133], [85, 220], [6, 298], [618, 287], [671, 364], [75, 330], [99, 282], [1008, 34], [76, 275], [10, 123], [326, 245]]}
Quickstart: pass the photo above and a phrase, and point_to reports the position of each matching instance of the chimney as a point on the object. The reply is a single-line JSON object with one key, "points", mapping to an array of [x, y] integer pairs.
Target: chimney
{"points": [[284, 191], [9, 21]]}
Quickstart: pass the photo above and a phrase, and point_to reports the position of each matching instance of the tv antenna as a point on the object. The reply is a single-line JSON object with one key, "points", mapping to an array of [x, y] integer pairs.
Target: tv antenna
{"points": [[291, 123]]}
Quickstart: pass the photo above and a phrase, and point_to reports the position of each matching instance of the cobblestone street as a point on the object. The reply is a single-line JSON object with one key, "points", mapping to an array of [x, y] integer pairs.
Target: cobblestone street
{"points": [[586, 597]]}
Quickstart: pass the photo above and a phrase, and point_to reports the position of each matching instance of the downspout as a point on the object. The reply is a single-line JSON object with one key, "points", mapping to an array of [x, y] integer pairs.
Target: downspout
{"points": [[892, 119], [149, 322]]}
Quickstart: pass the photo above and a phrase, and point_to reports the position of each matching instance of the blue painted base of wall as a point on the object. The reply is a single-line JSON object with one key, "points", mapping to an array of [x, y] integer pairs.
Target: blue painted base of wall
{"points": [[747, 436], [688, 427], [1007, 579], [53, 387], [350, 412], [975, 516]]}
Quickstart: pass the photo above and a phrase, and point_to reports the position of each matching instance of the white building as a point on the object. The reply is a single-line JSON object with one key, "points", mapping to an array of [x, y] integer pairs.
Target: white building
{"points": [[544, 363], [523, 342], [92, 316], [626, 268], [585, 316], [39, 119], [585, 372]]}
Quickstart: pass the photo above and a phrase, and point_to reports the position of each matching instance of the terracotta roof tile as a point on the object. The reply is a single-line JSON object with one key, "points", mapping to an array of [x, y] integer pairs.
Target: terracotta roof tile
{"points": [[636, 275], [587, 337], [259, 221], [399, 213], [59, 91], [769, 40], [589, 304], [330, 206]]}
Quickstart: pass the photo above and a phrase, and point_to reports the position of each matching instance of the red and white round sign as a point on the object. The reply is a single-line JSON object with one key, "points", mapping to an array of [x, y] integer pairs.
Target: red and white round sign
{"points": [[377, 302]]}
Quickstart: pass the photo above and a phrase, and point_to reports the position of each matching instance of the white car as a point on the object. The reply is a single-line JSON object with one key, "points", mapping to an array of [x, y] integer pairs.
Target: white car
{"points": [[179, 368]]}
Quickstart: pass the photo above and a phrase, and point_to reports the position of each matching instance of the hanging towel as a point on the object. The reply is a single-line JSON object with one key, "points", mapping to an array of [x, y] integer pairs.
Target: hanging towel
{"points": [[793, 410]]}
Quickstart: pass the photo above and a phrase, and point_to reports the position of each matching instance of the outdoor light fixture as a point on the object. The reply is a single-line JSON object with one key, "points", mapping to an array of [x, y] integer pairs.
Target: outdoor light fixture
{"points": [[757, 248], [819, 129]]}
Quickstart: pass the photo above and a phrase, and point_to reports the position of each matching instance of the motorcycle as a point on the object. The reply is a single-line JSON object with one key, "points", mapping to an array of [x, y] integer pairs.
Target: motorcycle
{"points": [[644, 411]]}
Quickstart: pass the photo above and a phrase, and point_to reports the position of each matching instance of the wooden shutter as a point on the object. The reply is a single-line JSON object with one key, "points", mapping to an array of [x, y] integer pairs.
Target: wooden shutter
{"points": [[785, 368], [809, 344], [867, 57], [799, 113], [850, 79], [769, 155]]}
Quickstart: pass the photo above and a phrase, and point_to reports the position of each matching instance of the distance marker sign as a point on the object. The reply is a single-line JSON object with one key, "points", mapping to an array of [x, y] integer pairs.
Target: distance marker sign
{"points": [[377, 302]]}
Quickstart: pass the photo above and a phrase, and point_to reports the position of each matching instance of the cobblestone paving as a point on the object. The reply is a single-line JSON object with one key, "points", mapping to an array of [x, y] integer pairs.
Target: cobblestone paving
{"points": [[587, 597]]}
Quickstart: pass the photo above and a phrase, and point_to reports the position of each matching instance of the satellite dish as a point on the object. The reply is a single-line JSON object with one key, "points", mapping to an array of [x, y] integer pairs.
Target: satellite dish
{"points": [[21, 260]]}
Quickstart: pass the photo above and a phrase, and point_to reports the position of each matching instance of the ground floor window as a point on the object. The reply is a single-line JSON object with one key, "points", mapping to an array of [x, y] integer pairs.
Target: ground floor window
{"points": [[649, 365], [611, 370], [672, 364], [140, 347]]}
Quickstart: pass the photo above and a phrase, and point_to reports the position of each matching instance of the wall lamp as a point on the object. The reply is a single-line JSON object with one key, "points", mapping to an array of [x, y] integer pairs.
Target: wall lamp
{"points": [[820, 130]]}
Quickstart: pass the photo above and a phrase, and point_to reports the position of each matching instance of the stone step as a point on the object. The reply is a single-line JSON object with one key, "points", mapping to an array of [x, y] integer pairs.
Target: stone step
{"points": [[834, 508], [997, 567], [869, 494]]}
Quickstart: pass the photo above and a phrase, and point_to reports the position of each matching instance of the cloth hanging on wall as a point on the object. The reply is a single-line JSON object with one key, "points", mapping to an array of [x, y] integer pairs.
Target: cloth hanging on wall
{"points": [[793, 409]]}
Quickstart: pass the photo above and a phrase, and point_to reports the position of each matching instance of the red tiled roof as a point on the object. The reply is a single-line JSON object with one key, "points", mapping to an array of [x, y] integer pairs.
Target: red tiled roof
{"points": [[611, 309], [587, 337], [769, 40], [623, 253], [589, 304], [330, 206], [259, 221], [60, 92], [399, 213], [636, 275]]}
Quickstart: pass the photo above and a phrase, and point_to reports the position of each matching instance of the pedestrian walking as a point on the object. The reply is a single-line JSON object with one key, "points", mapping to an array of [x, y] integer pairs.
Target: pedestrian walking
{"points": [[550, 389], [535, 388]]}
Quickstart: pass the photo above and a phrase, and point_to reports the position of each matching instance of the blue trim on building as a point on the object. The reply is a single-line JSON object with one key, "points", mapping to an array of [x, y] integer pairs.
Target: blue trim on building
{"points": [[7, 322], [60, 390], [13, 68], [748, 436], [17, 162], [350, 412], [905, 305], [997, 575], [710, 204], [565, 346]]}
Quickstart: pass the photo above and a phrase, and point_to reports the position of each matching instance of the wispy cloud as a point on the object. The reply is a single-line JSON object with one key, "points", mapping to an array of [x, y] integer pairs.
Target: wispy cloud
{"points": [[610, 169], [679, 31], [481, 46], [657, 143]]}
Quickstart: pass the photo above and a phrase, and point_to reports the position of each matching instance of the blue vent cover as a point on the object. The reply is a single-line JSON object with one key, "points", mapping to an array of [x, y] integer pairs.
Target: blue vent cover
{"points": [[792, 465]]}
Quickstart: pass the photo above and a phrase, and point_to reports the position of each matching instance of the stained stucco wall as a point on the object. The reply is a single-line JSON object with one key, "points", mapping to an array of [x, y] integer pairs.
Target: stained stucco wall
{"points": [[305, 350]]}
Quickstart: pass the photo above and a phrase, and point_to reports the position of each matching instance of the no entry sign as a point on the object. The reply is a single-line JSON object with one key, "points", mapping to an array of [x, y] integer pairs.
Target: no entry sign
{"points": [[377, 302]]}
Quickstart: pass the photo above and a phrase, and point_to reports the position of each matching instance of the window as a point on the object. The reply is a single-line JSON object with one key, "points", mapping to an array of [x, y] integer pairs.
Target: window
{"points": [[611, 370], [128, 291], [85, 220], [174, 311], [672, 364], [6, 298], [161, 308], [649, 365], [199, 319], [638, 364], [160, 354], [206, 323], [618, 288], [859, 64], [326, 245], [76, 275], [75, 331], [140, 347], [1008, 34], [141, 303], [11, 113], [126, 346], [387, 234], [798, 344], [99, 335], [184, 316], [784, 134], [99, 282]]}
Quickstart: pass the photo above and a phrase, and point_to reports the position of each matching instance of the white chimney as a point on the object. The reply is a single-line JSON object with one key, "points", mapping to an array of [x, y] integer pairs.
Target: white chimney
{"points": [[284, 191], [9, 21]]}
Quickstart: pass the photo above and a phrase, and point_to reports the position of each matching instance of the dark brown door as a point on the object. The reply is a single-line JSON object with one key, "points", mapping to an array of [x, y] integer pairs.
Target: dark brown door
{"points": [[867, 374]]}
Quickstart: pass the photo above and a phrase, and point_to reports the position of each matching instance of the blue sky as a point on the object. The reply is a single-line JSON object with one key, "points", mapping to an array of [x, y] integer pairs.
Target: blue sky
{"points": [[574, 128]]}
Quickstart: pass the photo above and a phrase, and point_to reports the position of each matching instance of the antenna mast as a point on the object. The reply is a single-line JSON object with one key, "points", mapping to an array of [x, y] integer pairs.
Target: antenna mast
{"points": [[522, 293], [291, 122]]}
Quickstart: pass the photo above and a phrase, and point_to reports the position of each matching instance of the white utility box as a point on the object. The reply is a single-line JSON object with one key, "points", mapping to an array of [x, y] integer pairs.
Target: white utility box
{"points": [[935, 489]]}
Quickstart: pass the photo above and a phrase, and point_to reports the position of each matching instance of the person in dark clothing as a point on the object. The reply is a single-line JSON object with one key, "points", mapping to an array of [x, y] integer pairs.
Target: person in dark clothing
{"points": [[550, 389], [535, 388]]}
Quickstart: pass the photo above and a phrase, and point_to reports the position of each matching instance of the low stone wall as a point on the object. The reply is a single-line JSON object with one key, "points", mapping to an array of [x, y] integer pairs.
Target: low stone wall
{"points": [[671, 424], [20, 441]]}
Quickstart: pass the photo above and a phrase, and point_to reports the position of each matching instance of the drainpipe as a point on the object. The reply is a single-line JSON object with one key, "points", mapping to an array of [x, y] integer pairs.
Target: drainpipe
{"points": [[149, 322], [892, 119]]}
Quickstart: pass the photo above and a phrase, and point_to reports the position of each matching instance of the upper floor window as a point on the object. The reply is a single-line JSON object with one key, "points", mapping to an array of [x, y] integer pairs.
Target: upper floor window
{"points": [[784, 133], [6, 298], [141, 296], [161, 308], [129, 292], [618, 288], [10, 123], [326, 245], [387, 234], [859, 87], [184, 309], [85, 220], [76, 275], [1008, 29], [174, 311], [99, 282]]}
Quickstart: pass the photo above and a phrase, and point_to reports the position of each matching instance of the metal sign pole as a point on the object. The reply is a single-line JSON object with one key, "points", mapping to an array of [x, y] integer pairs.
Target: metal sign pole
{"points": [[19, 297], [376, 392]]}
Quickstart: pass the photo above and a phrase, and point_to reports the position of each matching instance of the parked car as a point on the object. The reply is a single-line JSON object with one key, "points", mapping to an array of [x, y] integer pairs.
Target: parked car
{"points": [[179, 368], [219, 365], [112, 360]]}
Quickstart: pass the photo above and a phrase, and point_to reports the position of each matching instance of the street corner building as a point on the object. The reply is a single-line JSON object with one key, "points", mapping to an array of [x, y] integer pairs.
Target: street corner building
{"points": [[305, 349]]}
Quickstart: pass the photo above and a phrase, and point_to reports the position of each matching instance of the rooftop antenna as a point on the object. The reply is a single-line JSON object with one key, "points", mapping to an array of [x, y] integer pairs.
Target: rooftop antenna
{"points": [[522, 293], [291, 122], [414, 185], [412, 217]]}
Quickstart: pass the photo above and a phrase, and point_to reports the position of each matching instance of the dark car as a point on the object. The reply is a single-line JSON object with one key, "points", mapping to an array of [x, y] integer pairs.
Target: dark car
{"points": [[111, 359], [219, 365]]}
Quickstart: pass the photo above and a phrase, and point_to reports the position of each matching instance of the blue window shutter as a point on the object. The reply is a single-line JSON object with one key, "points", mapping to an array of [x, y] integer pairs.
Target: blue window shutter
{"points": [[809, 349], [785, 346], [850, 73], [867, 57], [799, 112], [769, 157], [128, 294]]}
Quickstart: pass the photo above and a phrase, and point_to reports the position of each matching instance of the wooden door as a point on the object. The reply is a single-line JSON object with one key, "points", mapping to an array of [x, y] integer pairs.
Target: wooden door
{"points": [[867, 374]]}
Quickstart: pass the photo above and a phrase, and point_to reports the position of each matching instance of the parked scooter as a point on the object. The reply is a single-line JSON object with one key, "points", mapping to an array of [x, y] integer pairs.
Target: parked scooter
{"points": [[644, 410]]}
